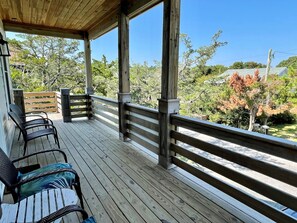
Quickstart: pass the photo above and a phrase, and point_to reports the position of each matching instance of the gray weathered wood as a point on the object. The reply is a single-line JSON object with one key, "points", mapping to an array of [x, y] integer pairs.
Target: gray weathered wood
{"points": [[143, 142], [282, 174], [261, 187], [144, 133], [124, 95], [142, 122], [264, 143], [142, 110], [168, 103], [65, 101], [104, 100], [18, 95], [234, 192], [88, 65]]}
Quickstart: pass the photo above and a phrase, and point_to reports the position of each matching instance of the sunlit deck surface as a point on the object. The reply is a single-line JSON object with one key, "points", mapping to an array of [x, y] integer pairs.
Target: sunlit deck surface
{"points": [[122, 183]]}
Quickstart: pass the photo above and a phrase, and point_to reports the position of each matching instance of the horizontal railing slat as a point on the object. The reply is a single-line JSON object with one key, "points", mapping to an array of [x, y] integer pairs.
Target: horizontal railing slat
{"points": [[81, 115], [82, 103], [79, 97], [106, 115], [79, 109], [38, 94], [258, 205], [36, 100], [105, 100], [110, 125], [143, 122], [40, 105], [268, 169], [255, 185], [267, 144], [148, 112], [143, 133], [105, 108], [144, 143]]}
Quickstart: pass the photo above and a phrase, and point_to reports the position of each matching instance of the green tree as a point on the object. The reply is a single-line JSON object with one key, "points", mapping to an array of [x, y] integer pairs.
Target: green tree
{"points": [[290, 62], [246, 65], [49, 63], [105, 77]]}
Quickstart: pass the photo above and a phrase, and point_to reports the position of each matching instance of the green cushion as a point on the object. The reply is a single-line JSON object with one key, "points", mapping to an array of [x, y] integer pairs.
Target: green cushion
{"points": [[58, 180]]}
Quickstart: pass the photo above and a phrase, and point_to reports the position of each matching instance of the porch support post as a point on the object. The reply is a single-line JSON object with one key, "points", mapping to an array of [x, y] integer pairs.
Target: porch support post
{"points": [[18, 97], [124, 95], [169, 104], [88, 66], [65, 103]]}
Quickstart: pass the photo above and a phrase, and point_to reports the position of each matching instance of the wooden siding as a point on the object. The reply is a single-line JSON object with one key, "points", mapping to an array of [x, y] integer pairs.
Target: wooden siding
{"points": [[121, 183]]}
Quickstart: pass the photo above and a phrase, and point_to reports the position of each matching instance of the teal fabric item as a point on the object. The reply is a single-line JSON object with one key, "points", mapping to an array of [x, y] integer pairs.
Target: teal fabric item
{"points": [[90, 220], [58, 180]]}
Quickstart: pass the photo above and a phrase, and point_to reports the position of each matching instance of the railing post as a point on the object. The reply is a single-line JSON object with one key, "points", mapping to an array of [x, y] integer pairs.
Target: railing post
{"points": [[168, 103], [166, 108], [89, 106], [18, 95], [124, 95], [65, 103], [122, 99]]}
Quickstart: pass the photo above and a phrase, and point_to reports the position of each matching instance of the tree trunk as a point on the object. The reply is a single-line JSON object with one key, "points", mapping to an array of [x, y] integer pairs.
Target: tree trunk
{"points": [[253, 113]]}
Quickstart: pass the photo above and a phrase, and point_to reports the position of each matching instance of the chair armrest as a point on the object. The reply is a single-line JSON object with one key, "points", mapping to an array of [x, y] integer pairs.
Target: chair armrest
{"points": [[40, 125], [45, 119], [36, 112], [44, 174], [40, 152], [64, 211]]}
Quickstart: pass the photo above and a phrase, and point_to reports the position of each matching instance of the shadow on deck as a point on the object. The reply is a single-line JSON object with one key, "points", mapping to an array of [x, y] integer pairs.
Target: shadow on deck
{"points": [[122, 183]]}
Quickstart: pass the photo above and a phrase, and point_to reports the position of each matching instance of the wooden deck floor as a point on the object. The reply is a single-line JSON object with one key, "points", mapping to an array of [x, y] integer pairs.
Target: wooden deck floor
{"points": [[121, 183]]}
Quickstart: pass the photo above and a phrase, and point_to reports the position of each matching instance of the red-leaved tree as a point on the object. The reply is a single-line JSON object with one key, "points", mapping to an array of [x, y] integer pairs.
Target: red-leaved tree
{"points": [[255, 95]]}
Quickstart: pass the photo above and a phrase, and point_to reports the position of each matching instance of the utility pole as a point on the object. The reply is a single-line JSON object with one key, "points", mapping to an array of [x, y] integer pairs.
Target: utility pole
{"points": [[270, 56]]}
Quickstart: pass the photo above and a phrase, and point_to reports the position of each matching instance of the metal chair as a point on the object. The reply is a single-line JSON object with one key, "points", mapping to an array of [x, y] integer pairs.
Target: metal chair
{"points": [[35, 117], [16, 109], [23, 185], [48, 130]]}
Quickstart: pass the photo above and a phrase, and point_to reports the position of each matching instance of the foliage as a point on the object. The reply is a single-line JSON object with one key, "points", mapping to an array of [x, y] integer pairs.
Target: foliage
{"points": [[48, 63], [246, 65], [258, 97], [146, 84], [105, 77], [290, 62]]}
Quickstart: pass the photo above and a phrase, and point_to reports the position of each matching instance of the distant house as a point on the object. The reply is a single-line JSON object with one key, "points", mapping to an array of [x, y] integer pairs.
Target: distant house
{"points": [[280, 71]]}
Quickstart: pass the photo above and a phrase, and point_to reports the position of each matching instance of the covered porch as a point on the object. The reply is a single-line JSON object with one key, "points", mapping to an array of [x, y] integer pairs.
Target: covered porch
{"points": [[123, 183]]}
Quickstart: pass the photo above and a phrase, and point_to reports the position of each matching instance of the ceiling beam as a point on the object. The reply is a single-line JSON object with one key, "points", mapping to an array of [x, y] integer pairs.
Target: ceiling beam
{"points": [[42, 30], [134, 8]]}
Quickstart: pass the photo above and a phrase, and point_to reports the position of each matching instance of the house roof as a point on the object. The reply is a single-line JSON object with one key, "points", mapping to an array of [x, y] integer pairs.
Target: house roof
{"points": [[67, 18], [280, 71]]}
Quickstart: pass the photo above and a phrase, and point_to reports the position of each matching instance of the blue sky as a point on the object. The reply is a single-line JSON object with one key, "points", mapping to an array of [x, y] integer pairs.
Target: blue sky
{"points": [[251, 28]]}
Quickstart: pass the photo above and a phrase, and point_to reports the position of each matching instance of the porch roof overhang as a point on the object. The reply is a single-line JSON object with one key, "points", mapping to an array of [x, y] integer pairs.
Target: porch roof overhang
{"points": [[68, 18]]}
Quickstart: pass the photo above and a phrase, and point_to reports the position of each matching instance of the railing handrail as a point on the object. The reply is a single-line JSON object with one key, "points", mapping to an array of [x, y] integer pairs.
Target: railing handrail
{"points": [[141, 107], [104, 99], [267, 144]]}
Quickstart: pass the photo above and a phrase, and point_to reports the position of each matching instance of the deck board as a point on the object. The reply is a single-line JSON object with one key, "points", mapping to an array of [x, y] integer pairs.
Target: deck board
{"points": [[121, 183]]}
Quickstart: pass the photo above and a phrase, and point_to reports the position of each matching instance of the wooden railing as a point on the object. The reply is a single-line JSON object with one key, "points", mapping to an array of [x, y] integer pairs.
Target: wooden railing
{"points": [[37, 101], [106, 111], [80, 106], [254, 141], [143, 126], [59, 102]]}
